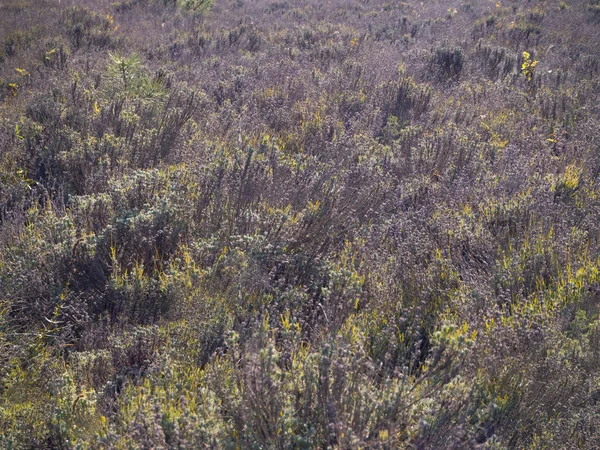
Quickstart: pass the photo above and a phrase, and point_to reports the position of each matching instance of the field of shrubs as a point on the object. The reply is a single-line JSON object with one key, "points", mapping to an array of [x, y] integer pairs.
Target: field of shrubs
{"points": [[299, 224]]}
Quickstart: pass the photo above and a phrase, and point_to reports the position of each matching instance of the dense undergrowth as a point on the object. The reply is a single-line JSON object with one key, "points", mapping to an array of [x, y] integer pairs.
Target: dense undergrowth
{"points": [[299, 224]]}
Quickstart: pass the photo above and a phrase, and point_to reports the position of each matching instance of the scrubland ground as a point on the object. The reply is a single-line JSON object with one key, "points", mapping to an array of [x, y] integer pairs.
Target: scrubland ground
{"points": [[302, 224]]}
